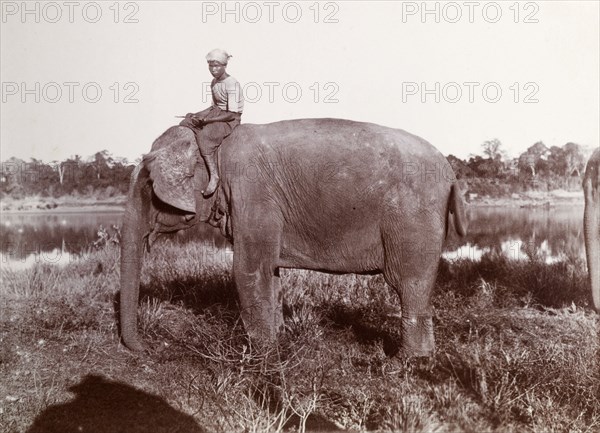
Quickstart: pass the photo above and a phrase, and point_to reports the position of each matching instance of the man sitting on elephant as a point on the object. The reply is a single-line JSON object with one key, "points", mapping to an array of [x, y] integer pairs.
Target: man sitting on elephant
{"points": [[216, 122]]}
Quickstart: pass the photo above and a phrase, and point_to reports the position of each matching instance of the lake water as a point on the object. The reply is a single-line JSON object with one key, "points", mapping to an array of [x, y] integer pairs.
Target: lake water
{"points": [[554, 233], [50, 238]]}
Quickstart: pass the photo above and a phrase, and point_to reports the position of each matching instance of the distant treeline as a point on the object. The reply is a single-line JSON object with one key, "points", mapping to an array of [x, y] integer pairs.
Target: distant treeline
{"points": [[538, 168], [101, 176], [493, 173]]}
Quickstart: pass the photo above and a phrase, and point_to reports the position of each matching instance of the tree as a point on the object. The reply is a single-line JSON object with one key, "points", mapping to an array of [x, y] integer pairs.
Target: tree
{"points": [[100, 163], [483, 167], [73, 173], [460, 167], [575, 159], [557, 161], [534, 159], [123, 161], [491, 149], [491, 166], [60, 170], [42, 178], [12, 176]]}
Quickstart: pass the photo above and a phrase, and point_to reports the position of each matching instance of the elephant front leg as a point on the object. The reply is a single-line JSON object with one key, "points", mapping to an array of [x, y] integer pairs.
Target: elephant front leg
{"points": [[259, 291], [278, 299]]}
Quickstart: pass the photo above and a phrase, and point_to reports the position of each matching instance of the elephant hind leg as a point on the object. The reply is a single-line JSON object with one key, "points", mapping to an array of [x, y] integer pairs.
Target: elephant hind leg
{"points": [[410, 268]]}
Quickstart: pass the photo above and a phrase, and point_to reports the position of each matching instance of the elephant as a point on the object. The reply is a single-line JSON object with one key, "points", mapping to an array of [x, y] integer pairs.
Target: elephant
{"points": [[591, 224], [328, 195]]}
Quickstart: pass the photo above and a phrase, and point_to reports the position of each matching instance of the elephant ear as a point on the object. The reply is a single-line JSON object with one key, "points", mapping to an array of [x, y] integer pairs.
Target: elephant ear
{"points": [[175, 173]]}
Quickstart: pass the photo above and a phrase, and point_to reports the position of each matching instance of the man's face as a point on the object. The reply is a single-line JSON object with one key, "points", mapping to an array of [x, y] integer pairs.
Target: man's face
{"points": [[216, 69]]}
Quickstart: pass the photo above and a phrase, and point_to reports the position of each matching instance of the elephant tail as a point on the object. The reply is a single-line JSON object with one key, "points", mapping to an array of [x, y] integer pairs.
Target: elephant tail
{"points": [[456, 207]]}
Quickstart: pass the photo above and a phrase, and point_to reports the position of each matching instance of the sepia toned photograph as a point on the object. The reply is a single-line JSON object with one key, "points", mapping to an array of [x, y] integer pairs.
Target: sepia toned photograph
{"points": [[299, 216]]}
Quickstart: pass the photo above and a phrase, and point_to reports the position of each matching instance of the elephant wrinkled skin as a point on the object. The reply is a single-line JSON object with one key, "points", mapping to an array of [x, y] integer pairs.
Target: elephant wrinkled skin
{"points": [[591, 224], [323, 194]]}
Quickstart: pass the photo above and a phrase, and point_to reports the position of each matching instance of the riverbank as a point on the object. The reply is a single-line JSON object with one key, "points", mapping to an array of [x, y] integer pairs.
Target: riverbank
{"points": [[63, 204], [528, 199], [114, 204]]}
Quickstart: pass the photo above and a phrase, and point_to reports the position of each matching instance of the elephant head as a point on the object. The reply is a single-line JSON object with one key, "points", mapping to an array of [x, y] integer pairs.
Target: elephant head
{"points": [[323, 194], [591, 223], [164, 197]]}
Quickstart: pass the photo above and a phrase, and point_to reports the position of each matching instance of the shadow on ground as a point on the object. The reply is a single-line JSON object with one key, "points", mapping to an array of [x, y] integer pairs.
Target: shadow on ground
{"points": [[367, 329], [104, 406], [195, 293]]}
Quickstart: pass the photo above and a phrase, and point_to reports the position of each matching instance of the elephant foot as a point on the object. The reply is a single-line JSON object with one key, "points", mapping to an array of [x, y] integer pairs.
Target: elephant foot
{"points": [[134, 344], [417, 337], [261, 335], [260, 332], [414, 353]]}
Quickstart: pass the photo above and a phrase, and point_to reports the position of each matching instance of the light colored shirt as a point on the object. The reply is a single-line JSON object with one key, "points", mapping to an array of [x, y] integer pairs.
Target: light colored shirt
{"points": [[227, 95]]}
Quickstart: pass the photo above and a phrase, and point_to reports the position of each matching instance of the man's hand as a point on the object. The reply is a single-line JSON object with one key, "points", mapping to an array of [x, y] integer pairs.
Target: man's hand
{"points": [[197, 122]]}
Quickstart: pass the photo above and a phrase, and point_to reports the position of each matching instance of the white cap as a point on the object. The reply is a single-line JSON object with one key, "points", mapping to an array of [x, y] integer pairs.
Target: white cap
{"points": [[218, 55]]}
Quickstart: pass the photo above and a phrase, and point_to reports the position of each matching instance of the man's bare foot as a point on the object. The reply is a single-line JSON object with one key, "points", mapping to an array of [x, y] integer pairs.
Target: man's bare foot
{"points": [[211, 187]]}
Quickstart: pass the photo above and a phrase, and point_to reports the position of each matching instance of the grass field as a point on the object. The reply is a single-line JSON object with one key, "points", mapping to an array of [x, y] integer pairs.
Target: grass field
{"points": [[518, 350]]}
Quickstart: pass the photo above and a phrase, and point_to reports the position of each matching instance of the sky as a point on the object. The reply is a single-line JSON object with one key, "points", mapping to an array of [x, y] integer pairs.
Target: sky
{"points": [[81, 77]]}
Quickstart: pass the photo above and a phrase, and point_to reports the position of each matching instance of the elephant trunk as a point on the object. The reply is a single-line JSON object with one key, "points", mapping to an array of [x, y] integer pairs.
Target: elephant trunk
{"points": [[134, 227], [591, 224]]}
